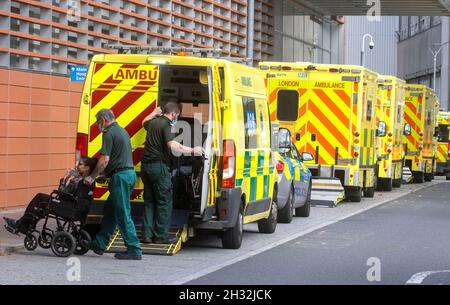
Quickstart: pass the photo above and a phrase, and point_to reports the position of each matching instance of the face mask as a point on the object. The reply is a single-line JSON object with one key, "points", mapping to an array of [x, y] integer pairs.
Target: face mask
{"points": [[174, 121], [100, 128]]}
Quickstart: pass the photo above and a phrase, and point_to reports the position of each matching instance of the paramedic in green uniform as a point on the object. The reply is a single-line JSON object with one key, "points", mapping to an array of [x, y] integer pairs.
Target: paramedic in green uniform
{"points": [[156, 175], [116, 161]]}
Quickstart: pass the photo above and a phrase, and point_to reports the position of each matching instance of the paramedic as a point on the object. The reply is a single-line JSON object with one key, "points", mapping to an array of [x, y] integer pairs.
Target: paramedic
{"points": [[116, 161], [156, 175]]}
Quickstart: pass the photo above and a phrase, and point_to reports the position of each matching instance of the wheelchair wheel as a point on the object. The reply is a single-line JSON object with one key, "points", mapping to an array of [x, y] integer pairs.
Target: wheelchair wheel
{"points": [[82, 238], [30, 242], [63, 244], [45, 240]]}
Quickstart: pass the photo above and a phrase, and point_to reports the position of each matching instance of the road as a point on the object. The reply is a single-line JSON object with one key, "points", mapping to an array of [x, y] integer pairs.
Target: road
{"points": [[404, 237], [407, 234]]}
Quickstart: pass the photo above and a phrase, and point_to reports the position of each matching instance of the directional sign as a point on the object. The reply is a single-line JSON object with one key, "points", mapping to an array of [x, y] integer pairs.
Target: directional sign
{"points": [[78, 73]]}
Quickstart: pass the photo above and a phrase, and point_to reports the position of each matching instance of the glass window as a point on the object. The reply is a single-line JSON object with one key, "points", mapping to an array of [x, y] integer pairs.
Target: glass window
{"points": [[248, 104], [369, 111], [443, 133], [287, 105]]}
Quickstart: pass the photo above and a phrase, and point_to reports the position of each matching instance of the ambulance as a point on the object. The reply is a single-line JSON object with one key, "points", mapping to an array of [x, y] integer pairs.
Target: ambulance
{"points": [[443, 145], [330, 111], [390, 110], [421, 107], [224, 109]]}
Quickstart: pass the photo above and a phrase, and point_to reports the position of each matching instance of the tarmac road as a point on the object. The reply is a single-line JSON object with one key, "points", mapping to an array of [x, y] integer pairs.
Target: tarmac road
{"points": [[395, 241]]}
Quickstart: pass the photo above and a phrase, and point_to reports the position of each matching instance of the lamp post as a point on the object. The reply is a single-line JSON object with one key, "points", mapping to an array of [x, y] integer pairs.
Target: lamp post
{"points": [[435, 54], [371, 46]]}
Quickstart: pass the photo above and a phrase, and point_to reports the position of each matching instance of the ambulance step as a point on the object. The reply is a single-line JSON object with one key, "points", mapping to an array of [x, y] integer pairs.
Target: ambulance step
{"points": [[326, 191], [407, 176], [178, 229], [117, 243]]}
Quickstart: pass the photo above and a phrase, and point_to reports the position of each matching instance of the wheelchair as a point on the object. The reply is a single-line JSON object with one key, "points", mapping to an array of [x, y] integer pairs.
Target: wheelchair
{"points": [[68, 237]]}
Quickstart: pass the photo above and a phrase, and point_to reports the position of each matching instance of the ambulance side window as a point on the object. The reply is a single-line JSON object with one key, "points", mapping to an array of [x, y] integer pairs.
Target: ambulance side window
{"points": [[369, 110], [287, 105], [222, 82], [248, 105]]}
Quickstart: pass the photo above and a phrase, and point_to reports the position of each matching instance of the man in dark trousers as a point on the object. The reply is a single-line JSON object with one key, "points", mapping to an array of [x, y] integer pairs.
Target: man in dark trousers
{"points": [[156, 175], [116, 162]]}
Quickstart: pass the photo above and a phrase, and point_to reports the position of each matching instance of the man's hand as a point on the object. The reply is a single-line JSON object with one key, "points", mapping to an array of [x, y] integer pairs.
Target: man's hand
{"points": [[156, 112], [88, 180], [198, 151]]}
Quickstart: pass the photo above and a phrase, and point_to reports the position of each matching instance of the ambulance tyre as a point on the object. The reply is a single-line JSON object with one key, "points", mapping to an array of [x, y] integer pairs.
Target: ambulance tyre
{"points": [[286, 213], [354, 195], [370, 191], [306, 209], [418, 177], [447, 177], [428, 177], [232, 237], [269, 225], [397, 183]]}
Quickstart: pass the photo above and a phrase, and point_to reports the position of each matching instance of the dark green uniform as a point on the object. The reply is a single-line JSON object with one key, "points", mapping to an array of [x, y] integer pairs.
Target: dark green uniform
{"points": [[157, 179], [117, 211]]}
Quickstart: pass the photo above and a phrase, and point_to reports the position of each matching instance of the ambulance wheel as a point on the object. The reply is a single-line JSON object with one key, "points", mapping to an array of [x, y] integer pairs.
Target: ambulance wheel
{"points": [[305, 210], [418, 177], [428, 177], [286, 213], [355, 195], [370, 191], [30, 242], [397, 183], [387, 185], [232, 238], [63, 244], [269, 225], [447, 177]]}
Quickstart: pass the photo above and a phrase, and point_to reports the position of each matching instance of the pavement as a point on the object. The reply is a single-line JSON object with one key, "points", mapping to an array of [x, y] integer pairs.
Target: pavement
{"points": [[201, 256], [405, 241]]}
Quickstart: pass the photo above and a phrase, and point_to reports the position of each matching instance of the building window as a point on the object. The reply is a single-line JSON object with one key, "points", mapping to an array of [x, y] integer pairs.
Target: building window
{"points": [[15, 42], [35, 46], [56, 17], [35, 12], [15, 8], [72, 53], [35, 29], [15, 25], [72, 37], [90, 26], [33, 63], [14, 60], [55, 33], [55, 49]]}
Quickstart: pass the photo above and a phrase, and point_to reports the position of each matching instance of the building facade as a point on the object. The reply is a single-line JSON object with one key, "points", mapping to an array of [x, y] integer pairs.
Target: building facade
{"points": [[383, 58], [416, 36], [41, 40]]}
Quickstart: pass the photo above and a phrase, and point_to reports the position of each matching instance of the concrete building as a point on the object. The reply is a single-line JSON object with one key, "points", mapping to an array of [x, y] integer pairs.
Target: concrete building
{"points": [[417, 34], [383, 58]]}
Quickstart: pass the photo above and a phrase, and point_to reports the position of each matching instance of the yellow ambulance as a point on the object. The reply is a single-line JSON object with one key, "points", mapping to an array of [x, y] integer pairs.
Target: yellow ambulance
{"points": [[390, 109], [420, 117], [224, 109], [443, 145], [330, 111]]}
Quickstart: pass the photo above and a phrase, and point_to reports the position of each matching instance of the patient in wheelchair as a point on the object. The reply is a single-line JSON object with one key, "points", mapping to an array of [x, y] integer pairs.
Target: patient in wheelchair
{"points": [[71, 185]]}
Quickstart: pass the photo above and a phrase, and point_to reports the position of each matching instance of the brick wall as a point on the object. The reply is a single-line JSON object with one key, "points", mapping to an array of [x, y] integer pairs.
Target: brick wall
{"points": [[38, 116]]}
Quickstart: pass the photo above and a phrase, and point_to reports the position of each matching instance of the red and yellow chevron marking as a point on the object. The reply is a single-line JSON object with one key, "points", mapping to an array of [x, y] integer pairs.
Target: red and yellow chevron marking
{"points": [[328, 116], [414, 119], [130, 91], [441, 153]]}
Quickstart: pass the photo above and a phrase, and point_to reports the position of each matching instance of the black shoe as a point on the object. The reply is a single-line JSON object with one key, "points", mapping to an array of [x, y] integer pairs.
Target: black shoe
{"points": [[90, 245], [147, 240], [127, 256], [169, 240], [11, 225]]}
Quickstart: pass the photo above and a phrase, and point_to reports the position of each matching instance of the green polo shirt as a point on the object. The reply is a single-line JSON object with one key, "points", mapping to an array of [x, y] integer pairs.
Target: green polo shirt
{"points": [[117, 145], [159, 132]]}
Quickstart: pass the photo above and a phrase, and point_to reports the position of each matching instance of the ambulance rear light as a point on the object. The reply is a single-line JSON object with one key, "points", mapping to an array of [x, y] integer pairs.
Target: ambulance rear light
{"points": [[280, 167], [334, 70], [356, 134], [310, 67], [81, 145], [229, 164], [286, 68]]}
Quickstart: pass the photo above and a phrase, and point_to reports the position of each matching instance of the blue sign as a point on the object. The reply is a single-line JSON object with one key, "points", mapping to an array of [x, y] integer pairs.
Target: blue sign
{"points": [[78, 73]]}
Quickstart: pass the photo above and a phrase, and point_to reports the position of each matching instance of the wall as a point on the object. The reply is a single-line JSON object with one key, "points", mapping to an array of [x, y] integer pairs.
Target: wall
{"points": [[38, 115], [383, 58]]}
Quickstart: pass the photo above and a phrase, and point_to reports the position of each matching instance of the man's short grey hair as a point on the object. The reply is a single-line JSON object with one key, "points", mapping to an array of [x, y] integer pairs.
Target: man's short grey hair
{"points": [[105, 114]]}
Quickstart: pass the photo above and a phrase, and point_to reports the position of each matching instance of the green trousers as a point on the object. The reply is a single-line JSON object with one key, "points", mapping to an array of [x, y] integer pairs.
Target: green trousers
{"points": [[117, 213], [157, 200]]}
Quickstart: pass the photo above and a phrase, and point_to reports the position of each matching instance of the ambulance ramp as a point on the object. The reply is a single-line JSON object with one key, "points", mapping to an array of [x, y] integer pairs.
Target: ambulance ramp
{"points": [[326, 191], [407, 176], [179, 230]]}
